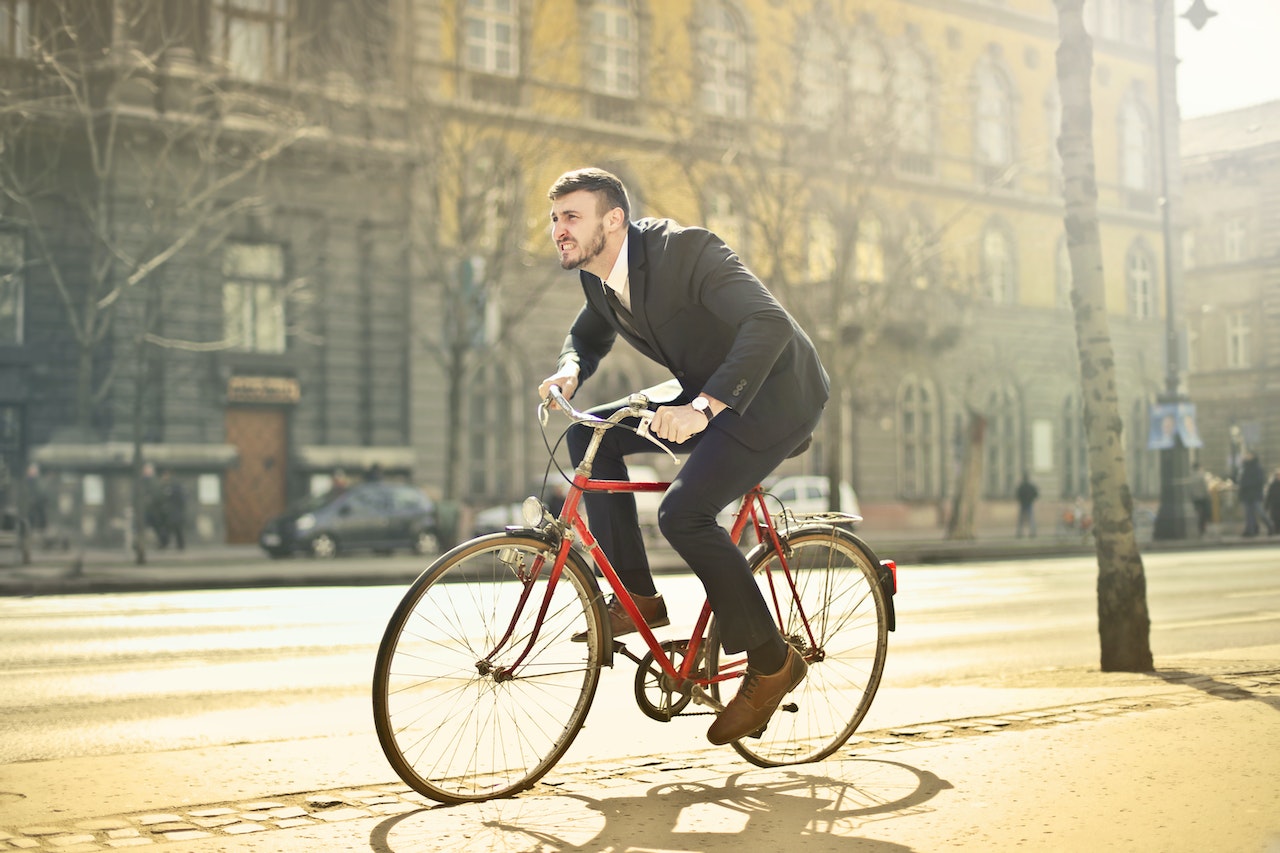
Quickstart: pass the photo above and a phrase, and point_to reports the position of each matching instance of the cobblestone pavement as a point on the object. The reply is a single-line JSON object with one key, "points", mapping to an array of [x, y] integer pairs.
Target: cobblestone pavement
{"points": [[300, 809]]}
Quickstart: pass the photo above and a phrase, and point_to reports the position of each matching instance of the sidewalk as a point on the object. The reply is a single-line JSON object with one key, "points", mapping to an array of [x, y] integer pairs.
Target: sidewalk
{"points": [[1187, 759]]}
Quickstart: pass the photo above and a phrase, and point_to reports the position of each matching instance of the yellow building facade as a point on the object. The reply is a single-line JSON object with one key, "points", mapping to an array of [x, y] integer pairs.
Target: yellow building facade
{"points": [[889, 168]]}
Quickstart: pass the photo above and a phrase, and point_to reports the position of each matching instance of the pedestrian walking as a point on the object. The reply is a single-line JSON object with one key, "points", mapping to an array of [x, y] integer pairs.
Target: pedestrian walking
{"points": [[752, 392], [36, 509], [1252, 483], [1199, 489], [1272, 501], [170, 511], [1027, 494]]}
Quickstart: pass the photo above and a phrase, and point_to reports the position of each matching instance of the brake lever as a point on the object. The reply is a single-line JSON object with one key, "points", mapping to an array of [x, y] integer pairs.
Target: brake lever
{"points": [[642, 430]]}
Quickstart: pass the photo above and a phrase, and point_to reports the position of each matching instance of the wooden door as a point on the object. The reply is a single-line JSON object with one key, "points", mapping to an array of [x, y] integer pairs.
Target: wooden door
{"points": [[255, 487]]}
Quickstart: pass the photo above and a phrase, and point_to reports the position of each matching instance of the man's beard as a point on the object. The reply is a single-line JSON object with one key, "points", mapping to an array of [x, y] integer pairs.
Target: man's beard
{"points": [[593, 251]]}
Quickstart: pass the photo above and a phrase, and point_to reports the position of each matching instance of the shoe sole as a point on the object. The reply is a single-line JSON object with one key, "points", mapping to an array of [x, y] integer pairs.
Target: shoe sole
{"points": [[581, 636], [760, 731]]}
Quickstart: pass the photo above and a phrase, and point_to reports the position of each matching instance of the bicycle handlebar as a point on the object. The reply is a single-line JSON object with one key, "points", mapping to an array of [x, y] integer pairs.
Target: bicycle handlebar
{"points": [[637, 407]]}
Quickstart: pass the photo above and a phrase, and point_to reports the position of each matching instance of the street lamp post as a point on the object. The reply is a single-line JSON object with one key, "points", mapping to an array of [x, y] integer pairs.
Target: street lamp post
{"points": [[1175, 518]]}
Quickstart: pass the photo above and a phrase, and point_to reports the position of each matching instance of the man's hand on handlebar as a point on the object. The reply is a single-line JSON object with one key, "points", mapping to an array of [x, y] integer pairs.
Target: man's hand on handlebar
{"points": [[677, 423], [566, 379]]}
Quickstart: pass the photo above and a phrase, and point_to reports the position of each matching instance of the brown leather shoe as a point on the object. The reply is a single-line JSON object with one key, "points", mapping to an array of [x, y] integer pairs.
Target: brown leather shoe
{"points": [[757, 699], [651, 607]]}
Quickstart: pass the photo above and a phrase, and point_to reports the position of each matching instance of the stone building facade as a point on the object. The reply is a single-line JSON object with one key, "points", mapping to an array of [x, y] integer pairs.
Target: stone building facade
{"points": [[380, 289], [1231, 262]]}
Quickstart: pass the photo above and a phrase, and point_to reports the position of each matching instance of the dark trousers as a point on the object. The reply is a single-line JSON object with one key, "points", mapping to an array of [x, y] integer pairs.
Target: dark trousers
{"points": [[718, 471]]}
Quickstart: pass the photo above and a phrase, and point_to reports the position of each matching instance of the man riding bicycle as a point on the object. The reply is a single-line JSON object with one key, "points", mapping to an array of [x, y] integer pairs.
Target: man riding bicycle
{"points": [[753, 390]]}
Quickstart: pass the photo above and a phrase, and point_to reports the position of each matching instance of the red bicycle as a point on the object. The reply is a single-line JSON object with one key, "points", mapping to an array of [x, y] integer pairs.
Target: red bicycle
{"points": [[479, 688]]}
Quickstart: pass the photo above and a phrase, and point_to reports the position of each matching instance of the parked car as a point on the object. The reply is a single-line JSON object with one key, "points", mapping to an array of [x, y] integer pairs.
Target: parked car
{"points": [[809, 493], [379, 516]]}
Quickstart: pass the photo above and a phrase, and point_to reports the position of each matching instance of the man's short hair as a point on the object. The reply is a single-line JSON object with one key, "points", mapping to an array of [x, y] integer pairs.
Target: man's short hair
{"points": [[595, 181]]}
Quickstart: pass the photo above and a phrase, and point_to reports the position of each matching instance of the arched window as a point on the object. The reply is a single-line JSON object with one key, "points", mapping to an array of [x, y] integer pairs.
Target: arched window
{"points": [[492, 37], [722, 50], [1139, 274], [868, 81], [913, 110], [614, 53], [993, 121], [1003, 442], [919, 439], [1075, 451], [820, 86], [999, 272], [1137, 148]]}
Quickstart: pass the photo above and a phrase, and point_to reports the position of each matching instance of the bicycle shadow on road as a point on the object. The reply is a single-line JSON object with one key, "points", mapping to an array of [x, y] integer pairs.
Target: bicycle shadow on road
{"points": [[825, 806]]}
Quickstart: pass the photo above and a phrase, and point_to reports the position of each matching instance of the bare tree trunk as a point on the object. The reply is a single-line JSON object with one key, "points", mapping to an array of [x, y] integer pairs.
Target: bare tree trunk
{"points": [[1123, 621], [969, 488]]}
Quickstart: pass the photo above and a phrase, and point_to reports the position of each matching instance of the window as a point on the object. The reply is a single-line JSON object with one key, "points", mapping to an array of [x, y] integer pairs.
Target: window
{"points": [[1140, 278], [12, 281], [868, 78], [492, 28], [912, 114], [997, 265], [868, 252], [614, 52], [249, 37], [819, 84], [723, 50], [1075, 451], [919, 439], [1136, 148], [1233, 240], [253, 297], [993, 122], [1238, 340], [15, 28], [1003, 440]]}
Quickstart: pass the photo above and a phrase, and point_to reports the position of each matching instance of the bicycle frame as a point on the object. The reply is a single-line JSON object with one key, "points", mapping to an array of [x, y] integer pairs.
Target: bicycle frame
{"points": [[751, 511]]}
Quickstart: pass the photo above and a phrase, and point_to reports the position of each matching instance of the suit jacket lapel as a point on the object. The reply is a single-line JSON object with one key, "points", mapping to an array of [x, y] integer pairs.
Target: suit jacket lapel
{"points": [[638, 280]]}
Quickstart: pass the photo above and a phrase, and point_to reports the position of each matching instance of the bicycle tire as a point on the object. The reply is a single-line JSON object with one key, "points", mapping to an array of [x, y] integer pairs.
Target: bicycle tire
{"points": [[837, 581], [455, 729]]}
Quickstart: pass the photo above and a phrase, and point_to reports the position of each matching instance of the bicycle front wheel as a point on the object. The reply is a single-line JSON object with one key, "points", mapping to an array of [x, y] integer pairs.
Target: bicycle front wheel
{"points": [[474, 696], [825, 593]]}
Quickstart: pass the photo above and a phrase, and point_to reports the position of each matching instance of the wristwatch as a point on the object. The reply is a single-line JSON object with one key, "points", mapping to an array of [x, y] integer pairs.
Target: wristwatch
{"points": [[702, 404]]}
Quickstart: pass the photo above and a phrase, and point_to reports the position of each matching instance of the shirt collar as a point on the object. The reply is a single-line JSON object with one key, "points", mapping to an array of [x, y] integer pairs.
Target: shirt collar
{"points": [[618, 276]]}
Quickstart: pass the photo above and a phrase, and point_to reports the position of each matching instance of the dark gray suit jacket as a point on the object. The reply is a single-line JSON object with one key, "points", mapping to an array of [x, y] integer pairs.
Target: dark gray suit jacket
{"points": [[698, 311]]}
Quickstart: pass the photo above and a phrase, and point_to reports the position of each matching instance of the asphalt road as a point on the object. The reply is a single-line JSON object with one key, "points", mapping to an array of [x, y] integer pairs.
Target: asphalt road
{"points": [[135, 673]]}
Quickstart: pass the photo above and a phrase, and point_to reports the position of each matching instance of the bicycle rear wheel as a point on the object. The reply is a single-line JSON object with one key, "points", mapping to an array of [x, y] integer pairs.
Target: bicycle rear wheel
{"points": [[455, 721], [836, 618]]}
